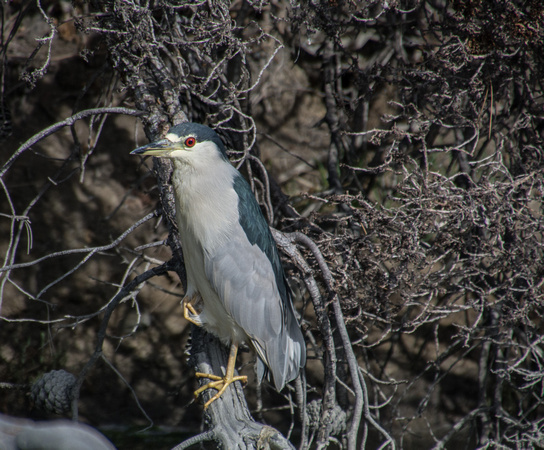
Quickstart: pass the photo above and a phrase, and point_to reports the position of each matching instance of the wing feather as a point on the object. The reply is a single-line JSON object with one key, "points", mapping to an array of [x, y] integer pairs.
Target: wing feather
{"points": [[245, 281]]}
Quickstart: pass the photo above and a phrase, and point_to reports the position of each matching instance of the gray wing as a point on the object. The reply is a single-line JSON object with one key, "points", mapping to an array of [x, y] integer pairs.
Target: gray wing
{"points": [[243, 277]]}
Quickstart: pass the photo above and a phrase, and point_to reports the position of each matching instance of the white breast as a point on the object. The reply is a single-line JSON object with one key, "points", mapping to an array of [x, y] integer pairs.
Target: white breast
{"points": [[207, 212]]}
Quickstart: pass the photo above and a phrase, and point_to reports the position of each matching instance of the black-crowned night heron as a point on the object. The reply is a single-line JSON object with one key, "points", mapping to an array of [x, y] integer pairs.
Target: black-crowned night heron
{"points": [[236, 287]]}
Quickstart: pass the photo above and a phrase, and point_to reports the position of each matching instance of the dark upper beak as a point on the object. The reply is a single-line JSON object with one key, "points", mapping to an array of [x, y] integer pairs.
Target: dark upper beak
{"points": [[157, 148]]}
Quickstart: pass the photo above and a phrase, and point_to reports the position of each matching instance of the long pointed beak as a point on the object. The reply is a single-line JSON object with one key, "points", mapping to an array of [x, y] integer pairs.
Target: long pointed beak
{"points": [[157, 148]]}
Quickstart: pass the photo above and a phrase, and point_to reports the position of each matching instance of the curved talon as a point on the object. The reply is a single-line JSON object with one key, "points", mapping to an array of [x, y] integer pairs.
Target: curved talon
{"points": [[189, 311], [221, 383]]}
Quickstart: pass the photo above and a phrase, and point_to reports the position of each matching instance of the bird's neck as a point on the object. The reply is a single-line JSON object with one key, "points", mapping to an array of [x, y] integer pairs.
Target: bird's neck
{"points": [[206, 203]]}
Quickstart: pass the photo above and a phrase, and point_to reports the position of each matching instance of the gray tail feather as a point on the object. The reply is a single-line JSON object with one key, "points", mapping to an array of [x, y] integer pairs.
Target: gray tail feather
{"points": [[280, 361]]}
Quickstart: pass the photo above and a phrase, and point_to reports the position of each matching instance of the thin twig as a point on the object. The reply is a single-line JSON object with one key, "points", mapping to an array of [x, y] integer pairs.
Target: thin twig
{"points": [[64, 123]]}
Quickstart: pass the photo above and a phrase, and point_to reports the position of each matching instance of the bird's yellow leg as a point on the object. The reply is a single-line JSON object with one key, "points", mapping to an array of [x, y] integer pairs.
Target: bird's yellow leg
{"points": [[189, 309], [221, 383]]}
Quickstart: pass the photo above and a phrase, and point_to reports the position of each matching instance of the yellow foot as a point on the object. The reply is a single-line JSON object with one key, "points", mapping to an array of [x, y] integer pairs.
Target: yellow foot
{"points": [[219, 383], [189, 311]]}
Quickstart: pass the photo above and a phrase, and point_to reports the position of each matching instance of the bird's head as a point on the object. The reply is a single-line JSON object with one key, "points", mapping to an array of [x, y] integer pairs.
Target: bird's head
{"points": [[190, 142]]}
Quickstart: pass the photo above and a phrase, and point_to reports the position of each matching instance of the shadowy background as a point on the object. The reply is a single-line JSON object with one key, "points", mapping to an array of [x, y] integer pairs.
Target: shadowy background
{"points": [[406, 135]]}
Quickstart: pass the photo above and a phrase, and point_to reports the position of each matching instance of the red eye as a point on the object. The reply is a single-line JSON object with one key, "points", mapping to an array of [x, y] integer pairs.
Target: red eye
{"points": [[190, 142]]}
